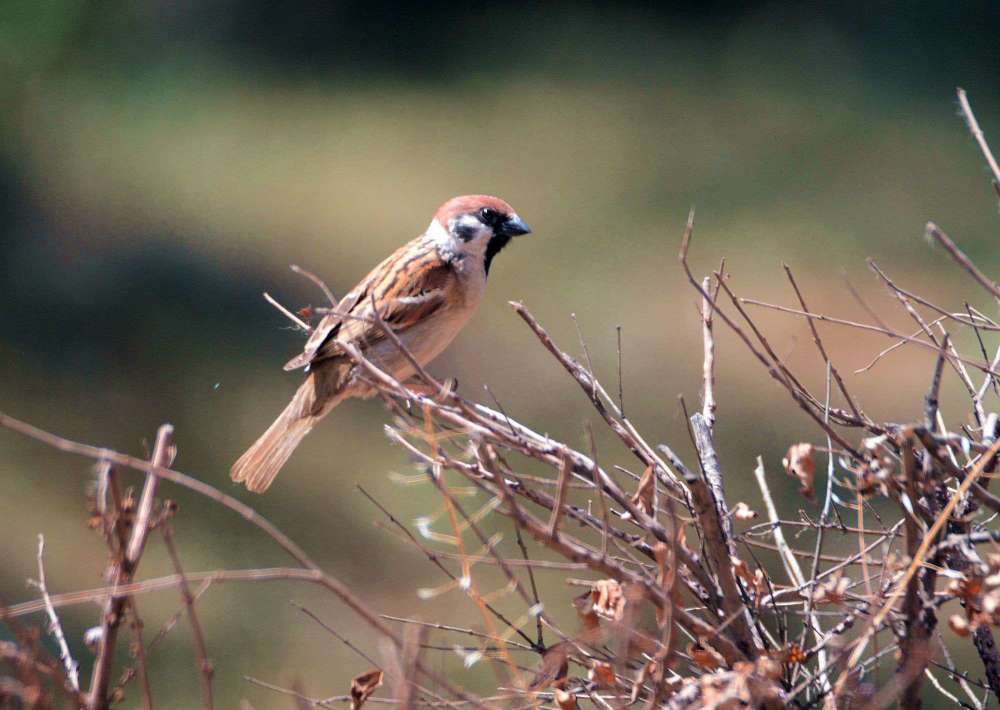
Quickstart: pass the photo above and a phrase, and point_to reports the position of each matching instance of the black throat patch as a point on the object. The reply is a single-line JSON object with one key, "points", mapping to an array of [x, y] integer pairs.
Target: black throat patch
{"points": [[493, 247]]}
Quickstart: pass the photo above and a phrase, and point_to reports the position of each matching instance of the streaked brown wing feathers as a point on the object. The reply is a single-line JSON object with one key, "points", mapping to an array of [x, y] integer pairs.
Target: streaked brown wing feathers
{"points": [[409, 287]]}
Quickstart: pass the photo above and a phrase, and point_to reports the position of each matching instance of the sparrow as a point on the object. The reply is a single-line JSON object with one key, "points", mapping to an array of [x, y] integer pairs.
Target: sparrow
{"points": [[426, 291]]}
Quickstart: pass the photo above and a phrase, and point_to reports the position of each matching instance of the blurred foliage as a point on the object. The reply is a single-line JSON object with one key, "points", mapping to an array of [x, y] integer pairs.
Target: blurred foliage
{"points": [[161, 164]]}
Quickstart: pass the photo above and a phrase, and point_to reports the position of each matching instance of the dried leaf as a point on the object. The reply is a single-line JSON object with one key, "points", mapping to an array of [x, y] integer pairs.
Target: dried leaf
{"points": [[602, 674], [643, 496], [565, 700], [799, 462], [363, 686], [742, 570], [704, 655], [959, 625], [608, 599], [584, 606], [793, 654], [833, 591], [742, 511], [968, 589]]}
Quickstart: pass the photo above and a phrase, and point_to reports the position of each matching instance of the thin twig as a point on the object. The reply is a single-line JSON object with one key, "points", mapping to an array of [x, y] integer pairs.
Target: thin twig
{"points": [[123, 565], [205, 667], [287, 313], [965, 262], [918, 557], [977, 134], [72, 667], [316, 280], [709, 404]]}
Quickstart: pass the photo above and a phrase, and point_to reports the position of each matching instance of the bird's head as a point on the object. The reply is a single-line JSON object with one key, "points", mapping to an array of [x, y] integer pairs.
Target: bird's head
{"points": [[476, 226]]}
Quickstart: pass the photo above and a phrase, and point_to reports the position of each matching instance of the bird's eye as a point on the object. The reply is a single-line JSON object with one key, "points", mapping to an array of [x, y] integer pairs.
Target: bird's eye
{"points": [[487, 215]]}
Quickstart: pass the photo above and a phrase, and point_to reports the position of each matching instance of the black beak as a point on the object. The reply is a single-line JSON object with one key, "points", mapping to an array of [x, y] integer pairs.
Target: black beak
{"points": [[513, 226]]}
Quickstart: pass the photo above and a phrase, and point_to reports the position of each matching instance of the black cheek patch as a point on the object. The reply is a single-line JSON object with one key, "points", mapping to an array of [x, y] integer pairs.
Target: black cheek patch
{"points": [[465, 232]]}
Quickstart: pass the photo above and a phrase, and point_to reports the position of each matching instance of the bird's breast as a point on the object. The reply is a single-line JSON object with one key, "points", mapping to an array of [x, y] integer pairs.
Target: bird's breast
{"points": [[425, 340]]}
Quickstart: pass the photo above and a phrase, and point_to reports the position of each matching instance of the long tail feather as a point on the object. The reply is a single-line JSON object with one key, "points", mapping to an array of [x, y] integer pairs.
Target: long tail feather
{"points": [[263, 460], [260, 464]]}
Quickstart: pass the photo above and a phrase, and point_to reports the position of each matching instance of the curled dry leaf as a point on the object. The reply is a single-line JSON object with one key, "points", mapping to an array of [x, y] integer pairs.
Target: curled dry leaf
{"points": [[363, 686], [742, 570], [833, 591], [564, 699], [608, 599], [799, 462], [643, 498], [742, 511], [959, 625], [877, 471], [602, 674], [590, 625], [794, 654], [969, 588], [704, 655]]}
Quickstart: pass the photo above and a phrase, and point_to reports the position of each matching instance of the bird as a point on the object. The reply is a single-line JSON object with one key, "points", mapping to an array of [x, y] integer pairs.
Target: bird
{"points": [[426, 291]]}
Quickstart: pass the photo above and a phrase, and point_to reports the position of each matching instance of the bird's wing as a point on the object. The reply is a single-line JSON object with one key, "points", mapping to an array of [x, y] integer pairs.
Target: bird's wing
{"points": [[409, 287]]}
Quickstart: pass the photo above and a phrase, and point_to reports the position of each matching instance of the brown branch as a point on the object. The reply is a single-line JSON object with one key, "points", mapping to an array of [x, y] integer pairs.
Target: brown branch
{"points": [[595, 392], [287, 313], [709, 506], [557, 508], [123, 565], [205, 667], [320, 283], [819, 346], [865, 326], [965, 262], [775, 367], [919, 618], [312, 571], [915, 564], [434, 558], [579, 553], [977, 134]]}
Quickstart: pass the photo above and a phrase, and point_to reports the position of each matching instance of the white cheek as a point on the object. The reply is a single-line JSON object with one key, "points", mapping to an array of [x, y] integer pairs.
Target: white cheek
{"points": [[438, 234], [469, 224], [451, 246]]}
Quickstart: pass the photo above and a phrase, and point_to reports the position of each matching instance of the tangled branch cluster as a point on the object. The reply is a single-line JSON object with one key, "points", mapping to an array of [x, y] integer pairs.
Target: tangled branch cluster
{"points": [[677, 611]]}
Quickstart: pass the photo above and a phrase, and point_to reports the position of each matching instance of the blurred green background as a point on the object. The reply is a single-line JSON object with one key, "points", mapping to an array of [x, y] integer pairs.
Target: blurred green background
{"points": [[162, 164]]}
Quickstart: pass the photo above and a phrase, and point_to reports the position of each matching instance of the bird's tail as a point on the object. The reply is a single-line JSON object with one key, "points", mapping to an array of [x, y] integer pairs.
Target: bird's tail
{"points": [[258, 466]]}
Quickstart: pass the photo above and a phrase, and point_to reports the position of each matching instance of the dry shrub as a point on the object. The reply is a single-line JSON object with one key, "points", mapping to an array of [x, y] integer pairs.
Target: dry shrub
{"points": [[676, 609]]}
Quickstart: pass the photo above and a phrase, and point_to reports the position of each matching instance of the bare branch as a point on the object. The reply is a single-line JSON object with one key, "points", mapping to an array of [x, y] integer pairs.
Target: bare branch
{"points": [[72, 667], [977, 133]]}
